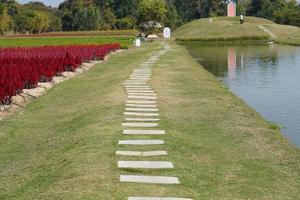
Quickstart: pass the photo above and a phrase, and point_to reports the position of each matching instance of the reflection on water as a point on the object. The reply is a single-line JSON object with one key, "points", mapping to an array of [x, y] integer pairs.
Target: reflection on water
{"points": [[266, 77]]}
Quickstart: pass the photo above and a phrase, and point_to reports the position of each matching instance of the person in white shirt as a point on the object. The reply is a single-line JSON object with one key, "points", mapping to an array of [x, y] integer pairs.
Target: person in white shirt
{"points": [[241, 19]]}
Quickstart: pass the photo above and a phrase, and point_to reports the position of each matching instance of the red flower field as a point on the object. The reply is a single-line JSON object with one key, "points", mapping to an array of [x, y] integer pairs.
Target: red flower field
{"points": [[23, 68]]}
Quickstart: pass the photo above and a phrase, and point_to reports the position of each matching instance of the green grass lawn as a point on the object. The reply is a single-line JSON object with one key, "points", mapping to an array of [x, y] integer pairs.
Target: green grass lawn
{"points": [[125, 41], [229, 29], [62, 146], [285, 34]]}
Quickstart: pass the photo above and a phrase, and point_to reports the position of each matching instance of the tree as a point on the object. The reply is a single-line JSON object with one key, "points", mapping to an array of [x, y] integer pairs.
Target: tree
{"points": [[152, 10], [126, 23], [109, 20], [5, 20], [172, 19]]}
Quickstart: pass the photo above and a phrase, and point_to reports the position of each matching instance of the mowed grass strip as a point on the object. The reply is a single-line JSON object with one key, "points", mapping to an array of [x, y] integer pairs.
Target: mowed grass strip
{"points": [[64, 41], [63, 145], [220, 147]]}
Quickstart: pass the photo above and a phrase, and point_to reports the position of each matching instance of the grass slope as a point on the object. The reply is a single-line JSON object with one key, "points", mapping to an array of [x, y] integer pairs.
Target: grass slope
{"points": [[228, 28], [62, 146]]}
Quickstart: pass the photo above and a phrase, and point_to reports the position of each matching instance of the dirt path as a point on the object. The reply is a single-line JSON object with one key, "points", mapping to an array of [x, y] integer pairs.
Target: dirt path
{"points": [[267, 31]]}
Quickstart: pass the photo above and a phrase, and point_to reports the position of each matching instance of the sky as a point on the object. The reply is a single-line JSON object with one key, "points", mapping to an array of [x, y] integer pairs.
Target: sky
{"points": [[53, 3]]}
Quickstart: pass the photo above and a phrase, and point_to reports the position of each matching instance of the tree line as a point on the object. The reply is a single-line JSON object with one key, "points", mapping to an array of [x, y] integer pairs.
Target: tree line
{"points": [[83, 15]]}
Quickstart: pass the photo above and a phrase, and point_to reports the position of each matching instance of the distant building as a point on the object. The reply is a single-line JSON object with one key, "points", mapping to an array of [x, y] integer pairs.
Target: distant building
{"points": [[231, 9]]}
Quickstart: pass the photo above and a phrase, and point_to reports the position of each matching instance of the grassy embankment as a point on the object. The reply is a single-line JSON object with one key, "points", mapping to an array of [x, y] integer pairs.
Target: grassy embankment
{"points": [[225, 29], [62, 145], [125, 38]]}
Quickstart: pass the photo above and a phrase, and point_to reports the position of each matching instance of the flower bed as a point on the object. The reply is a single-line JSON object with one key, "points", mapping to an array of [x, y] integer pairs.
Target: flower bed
{"points": [[24, 68]]}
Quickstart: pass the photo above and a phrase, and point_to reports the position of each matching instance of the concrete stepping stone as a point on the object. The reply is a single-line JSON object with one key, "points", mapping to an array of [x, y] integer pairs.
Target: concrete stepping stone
{"points": [[142, 119], [142, 153], [135, 75], [139, 79], [142, 70], [140, 102], [145, 94], [149, 179], [142, 109], [144, 132], [136, 86], [143, 74], [140, 124], [140, 91], [157, 198], [141, 97], [142, 114], [135, 81], [141, 142], [141, 106], [145, 165]]}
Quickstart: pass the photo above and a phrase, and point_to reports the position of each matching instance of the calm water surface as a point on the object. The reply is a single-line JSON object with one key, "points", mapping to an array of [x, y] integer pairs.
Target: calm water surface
{"points": [[266, 77]]}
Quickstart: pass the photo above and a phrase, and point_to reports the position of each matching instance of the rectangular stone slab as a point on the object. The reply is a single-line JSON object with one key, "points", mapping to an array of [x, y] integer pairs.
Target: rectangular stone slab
{"points": [[139, 79], [140, 74], [140, 124], [144, 132], [141, 97], [149, 179], [141, 101], [145, 165], [142, 114], [141, 105], [140, 93], [141, 142], [135, 75], [142, 86], [141, 153], [157, 198], [142, 119], [135, 83], [142, 109]]}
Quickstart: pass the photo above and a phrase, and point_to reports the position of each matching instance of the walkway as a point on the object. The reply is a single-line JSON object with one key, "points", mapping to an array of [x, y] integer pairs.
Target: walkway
{"points": [[267, 31], [142, 118]]}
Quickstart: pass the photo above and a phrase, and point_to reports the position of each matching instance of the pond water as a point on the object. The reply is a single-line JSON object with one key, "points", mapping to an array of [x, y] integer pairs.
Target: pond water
{"points": [[266, 77]]}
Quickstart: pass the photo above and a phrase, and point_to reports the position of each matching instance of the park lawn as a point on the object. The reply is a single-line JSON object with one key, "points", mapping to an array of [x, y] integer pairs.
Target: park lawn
{"points": [[62, 146], [228, 29], [221, 28], [285, 34], [125, 41]]}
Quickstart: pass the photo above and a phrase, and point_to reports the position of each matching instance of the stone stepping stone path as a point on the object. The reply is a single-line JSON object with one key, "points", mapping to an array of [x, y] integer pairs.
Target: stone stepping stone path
{"points": [[145, 165], [157, 198], [149, 179], [142, 109], [141, 117], [142, 97], [142, 114], [144, 132], [141, 142], [140, 124], [138, 93], [141, 106], [142, 153]]}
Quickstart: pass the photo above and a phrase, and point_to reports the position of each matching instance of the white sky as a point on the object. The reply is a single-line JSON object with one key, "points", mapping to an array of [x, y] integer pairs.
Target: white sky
{"points": [[53, 3]]}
